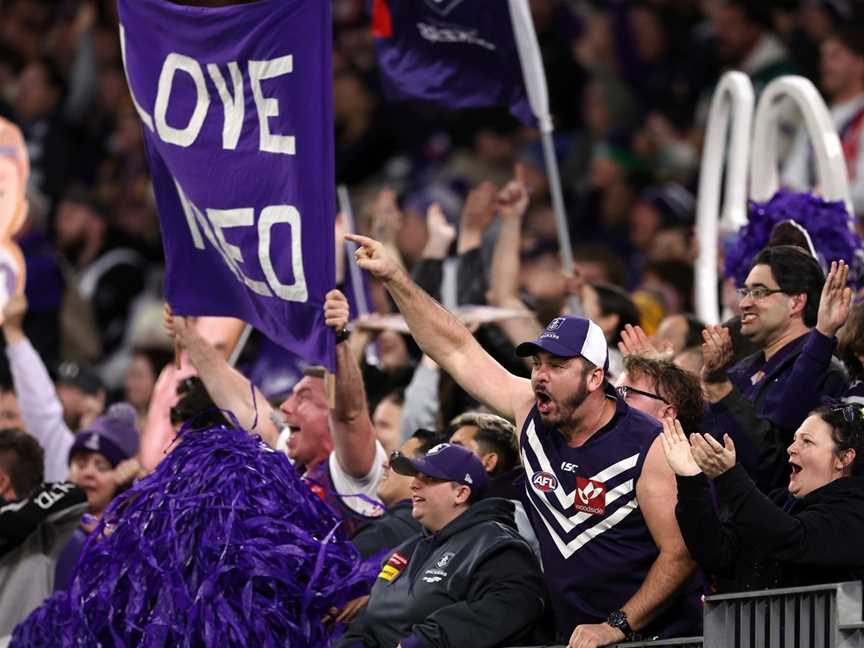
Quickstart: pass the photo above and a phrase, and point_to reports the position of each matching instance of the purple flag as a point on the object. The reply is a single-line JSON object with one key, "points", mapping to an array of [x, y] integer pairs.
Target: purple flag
{"points": [[459, 53], [238, 124]]}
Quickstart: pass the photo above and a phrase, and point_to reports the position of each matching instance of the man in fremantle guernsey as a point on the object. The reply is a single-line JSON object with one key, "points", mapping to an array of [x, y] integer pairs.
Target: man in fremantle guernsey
{"points": [[599, 493]]}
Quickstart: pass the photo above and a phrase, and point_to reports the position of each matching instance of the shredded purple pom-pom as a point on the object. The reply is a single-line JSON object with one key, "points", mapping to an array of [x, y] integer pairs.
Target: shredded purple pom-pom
{"points": [[223, 545], [826, 222]]}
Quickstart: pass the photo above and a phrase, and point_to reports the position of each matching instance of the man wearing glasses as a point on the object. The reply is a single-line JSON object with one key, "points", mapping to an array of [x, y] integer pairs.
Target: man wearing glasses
{"points": [[749, 400], [661, 390]]}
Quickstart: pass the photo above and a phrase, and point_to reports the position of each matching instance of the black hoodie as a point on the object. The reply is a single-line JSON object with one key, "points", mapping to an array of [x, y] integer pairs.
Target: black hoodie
{"points": [[474, 583]]}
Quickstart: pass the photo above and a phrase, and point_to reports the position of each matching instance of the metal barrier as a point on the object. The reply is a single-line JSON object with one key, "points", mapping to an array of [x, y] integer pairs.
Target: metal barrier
{"points": [[820, 616]]}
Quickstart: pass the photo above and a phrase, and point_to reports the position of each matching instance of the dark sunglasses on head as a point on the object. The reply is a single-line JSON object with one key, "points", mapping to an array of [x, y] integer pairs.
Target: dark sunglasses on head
{"points": [[625, 390]]}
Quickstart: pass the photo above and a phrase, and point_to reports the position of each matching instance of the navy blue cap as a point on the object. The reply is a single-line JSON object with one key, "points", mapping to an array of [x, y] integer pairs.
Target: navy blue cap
{"points": [[448, 462], [568, 337]]}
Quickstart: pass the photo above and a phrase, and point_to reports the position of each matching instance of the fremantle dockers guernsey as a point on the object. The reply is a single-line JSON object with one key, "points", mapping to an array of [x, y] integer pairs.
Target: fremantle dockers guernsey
{"points": [[595, 545]]}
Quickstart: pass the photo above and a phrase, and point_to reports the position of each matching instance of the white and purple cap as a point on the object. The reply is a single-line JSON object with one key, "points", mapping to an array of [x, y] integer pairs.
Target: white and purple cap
{"points": [[448, 462], [568, 337]]}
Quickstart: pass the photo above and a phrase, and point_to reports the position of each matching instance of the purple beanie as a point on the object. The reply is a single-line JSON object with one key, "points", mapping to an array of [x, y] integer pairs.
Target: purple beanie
{"points": [[112, 435]]}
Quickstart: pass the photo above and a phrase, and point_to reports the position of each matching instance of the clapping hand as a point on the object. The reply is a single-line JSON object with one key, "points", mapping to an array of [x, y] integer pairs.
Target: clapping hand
{"points": [[677, 449], [714, 459], [836, 300], [635, 342], [717, 350]]}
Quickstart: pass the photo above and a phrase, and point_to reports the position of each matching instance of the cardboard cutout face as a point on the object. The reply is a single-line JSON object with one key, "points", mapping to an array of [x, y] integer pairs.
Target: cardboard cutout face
{"points": [[14, 172]]}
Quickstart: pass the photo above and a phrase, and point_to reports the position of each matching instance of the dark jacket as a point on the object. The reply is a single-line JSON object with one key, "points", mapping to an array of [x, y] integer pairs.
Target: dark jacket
{"points": [[773, 542], [474, 583], [762, 416], [387, 532]]}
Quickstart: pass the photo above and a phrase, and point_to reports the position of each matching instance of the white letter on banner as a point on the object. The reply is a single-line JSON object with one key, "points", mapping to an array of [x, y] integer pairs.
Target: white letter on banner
{"points": [[225, 218], [269, 107], [180, 136], [270, 216], [145, 117], [194, 214], [233, 109]]}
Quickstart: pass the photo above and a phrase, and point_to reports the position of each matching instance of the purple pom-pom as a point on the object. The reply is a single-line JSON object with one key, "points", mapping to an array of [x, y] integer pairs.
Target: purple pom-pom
{"points": [[826, 222], [222, 545]]}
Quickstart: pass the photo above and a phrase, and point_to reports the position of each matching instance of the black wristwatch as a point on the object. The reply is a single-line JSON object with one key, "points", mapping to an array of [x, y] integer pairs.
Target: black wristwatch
{"points": [[342, 335], [618, 619]]}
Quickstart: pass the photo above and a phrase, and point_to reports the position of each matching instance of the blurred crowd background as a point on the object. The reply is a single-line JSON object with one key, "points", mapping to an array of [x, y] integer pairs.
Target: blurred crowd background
{"points": [[630, 83]]}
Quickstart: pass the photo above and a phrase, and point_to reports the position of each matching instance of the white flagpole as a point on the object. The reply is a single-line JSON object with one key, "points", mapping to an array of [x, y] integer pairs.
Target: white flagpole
{"points": [[356, 273], [538, 97], [238, 347]]}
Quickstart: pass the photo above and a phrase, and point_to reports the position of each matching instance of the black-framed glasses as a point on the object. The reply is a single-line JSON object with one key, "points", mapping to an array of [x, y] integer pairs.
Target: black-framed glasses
{"points": [[757, 292], [625, 390]]}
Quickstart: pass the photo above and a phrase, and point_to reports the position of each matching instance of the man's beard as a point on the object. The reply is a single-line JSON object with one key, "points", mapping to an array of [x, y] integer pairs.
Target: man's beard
{"points": [[565, 408]]}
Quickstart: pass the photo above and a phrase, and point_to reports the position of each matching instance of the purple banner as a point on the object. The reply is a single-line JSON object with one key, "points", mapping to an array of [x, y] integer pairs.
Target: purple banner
{"points": [[459, 53], [237, 116]]}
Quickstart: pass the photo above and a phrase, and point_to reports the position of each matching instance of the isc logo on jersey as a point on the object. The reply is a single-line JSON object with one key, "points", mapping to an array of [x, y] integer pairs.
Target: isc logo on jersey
{"points": [[544, 481], [590, 496]]}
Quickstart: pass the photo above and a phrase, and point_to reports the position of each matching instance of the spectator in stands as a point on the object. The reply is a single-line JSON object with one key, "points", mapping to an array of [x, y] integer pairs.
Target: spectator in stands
{"points": [[40, 403], [101, 463], [495, 442], [38, 112], [851, 350], [141, 374], [680, 331], [745, 42], [36, 521], [394, 491], [842, 80], [805, 534], [336, 452], [469, 580], [387, 420], [750, 400], [569, 426], [81, 392], [103, 276], [661, 390], [10, 411]]}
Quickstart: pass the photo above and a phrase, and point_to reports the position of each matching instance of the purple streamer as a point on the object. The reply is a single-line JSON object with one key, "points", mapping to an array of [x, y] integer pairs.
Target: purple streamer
{"points": [[222, 545], [826, 222]]}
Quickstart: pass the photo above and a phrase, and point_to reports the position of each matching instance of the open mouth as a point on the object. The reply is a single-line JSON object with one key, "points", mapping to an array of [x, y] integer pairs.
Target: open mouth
{"points": [[747, 318], [795, 468], [543, 401]]}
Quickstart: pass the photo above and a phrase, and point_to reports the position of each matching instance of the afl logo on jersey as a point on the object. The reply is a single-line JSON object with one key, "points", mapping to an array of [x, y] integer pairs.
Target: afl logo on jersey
{"points": [[544, 481]]}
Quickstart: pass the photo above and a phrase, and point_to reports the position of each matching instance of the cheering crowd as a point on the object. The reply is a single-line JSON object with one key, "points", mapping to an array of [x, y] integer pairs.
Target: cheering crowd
{"points": [[579, 464]]}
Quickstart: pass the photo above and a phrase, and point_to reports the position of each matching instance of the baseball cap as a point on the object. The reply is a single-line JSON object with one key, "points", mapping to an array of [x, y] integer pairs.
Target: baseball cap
{"points": [[80, 375], [568, 337], [112, 435], [445, 461]]}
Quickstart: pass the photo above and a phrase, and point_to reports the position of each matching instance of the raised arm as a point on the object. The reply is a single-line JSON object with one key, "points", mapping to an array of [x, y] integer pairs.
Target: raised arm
{"points": [[41, 408], [511, 201], [445, 339], [350, 426], [228, 388]]}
